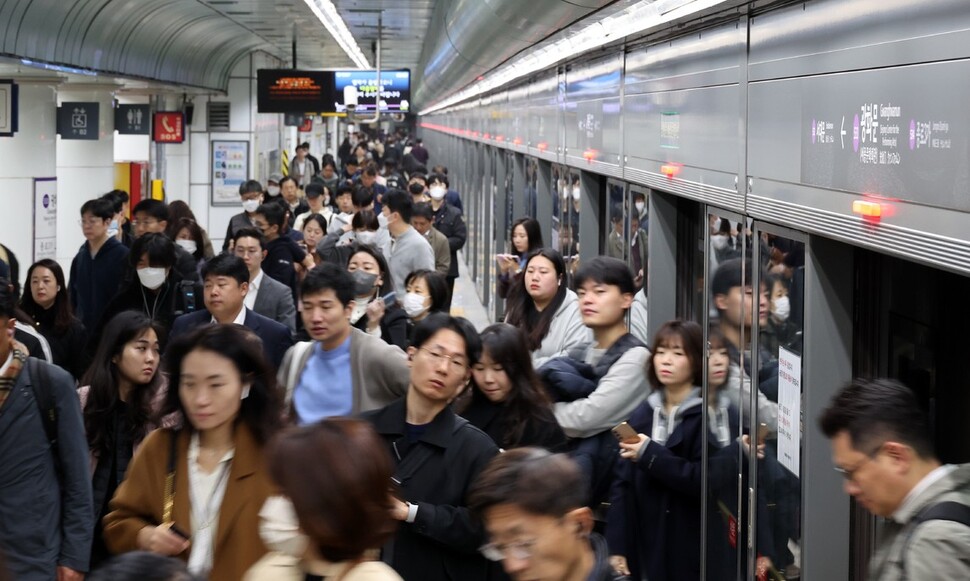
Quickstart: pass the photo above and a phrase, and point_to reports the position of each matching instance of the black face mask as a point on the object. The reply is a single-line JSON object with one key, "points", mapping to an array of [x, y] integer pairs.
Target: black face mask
{"points": [[363, 282]]}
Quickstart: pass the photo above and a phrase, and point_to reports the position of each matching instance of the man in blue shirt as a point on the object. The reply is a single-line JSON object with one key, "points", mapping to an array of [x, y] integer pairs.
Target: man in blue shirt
{"points": [[342, 371]]}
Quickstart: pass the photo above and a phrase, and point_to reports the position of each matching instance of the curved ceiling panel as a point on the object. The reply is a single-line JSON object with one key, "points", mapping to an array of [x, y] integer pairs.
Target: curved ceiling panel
{"points": [[478, 35], [184, 42]]}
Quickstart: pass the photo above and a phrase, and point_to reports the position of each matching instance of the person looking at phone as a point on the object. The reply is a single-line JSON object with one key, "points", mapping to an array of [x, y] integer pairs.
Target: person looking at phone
{"points": [[653, 527], [211, 473], [526, 238], [376, 309], [342, 370]]}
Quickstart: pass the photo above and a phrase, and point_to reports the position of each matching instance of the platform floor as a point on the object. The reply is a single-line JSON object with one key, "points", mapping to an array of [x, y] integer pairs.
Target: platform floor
{"points": [[465, 302]]}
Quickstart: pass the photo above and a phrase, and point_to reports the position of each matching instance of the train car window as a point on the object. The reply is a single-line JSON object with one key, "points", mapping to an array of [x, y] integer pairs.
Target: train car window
{"points": [[616, 228], [558, 194], [531, 187], [570, 197], [636, 250]]}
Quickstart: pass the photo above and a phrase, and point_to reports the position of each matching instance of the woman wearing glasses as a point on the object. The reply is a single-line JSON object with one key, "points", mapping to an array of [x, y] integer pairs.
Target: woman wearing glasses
{"points": [[437, 455]]}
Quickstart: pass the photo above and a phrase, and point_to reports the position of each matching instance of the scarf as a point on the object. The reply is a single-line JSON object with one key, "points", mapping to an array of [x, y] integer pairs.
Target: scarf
{"points": [[9, 377]]}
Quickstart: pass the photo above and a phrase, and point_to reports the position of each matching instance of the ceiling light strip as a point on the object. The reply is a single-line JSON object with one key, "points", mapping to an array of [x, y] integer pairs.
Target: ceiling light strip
{"points": [[571, 43], [327, 13]]}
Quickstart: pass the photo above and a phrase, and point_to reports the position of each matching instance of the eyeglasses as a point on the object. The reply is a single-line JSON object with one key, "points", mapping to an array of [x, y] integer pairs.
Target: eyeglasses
{"points": [[457, 363], [151, 222], [247, 251], [90, 222], [519, 550], [849, 473]]}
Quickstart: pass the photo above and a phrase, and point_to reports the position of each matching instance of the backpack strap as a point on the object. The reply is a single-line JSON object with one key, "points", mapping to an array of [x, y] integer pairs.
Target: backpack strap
{"points": [[946, 511], [40, 381]]}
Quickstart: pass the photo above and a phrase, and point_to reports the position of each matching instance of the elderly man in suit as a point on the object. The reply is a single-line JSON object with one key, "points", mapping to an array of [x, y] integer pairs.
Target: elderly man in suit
{"points": [[226, 283], [266, 296]]}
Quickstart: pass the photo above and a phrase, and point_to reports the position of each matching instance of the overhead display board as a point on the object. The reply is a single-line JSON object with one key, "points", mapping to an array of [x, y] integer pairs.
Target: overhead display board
{"points": [[294, 91], [395, 94]]}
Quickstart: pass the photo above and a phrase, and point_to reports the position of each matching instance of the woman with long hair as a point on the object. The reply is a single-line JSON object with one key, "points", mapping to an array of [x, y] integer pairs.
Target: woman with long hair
{"points": [[340, 500], [191, 238], [525, 238], [542, 304], [178, 211], [314, 228], [372, 282], [119, 399], [507, 400], [196, 492], [46, 301], [426, 292]]}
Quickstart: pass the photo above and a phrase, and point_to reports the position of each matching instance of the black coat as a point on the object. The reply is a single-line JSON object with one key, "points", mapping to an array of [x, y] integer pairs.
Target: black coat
{"points": [[448, 221], [492, 419], [68, 346], [442, 543], [655, 512], [394, 326], [275, 336]]}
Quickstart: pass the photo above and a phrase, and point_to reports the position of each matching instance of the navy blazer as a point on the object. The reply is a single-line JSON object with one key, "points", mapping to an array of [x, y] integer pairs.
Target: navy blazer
{"points": [[275, 336]]}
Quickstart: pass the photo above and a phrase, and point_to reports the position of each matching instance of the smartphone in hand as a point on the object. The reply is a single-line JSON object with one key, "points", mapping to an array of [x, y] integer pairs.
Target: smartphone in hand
{"points": [[625, 433]]}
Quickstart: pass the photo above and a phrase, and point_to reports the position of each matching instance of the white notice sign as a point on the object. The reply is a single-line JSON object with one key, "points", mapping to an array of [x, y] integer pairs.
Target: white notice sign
{"points": [[45, 218], [789, 409]]}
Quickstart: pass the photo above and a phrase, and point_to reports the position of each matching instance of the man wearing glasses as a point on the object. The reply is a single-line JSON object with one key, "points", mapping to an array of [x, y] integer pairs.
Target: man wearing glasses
{"points": [[266, 296], [533, 506], [882, 446]]}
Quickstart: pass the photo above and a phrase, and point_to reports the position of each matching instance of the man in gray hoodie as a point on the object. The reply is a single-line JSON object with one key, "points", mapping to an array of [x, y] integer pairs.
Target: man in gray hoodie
{"points": [[408, 250], [881, 444]]}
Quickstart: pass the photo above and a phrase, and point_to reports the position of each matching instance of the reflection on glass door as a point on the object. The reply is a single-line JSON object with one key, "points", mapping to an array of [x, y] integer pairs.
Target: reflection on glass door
{"points": [[531, 187]]}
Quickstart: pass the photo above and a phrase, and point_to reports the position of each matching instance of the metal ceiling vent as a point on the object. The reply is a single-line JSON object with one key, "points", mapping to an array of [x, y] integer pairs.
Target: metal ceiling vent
{"points": [[217, 116]]}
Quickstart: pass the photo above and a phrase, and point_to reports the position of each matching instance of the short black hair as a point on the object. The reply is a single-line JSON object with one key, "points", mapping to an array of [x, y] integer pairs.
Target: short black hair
{"points": [[400, 202], [314, 189], [99, 208], [535, 480], [345, 188], [438, 177], [365, 219], [435, 322], [732, 273], [117, 201], [327, 276], [250, 233], [226, 265], [250, 186], [8, 299], [159, 248], [285, 179], [155, 208], [362, 197], [437, 287], [274, 213], [876, 411], [144, 566], [606, 270], [422, 210]]}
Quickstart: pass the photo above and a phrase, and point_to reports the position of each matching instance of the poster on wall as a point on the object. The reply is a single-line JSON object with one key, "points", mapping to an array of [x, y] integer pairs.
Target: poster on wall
{"points": [[8, 108], [789, 409], [45, 218], [230, 168]]}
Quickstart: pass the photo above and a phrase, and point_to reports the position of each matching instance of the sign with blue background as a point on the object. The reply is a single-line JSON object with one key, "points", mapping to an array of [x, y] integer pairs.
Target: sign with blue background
{"points": [[395, 90]]}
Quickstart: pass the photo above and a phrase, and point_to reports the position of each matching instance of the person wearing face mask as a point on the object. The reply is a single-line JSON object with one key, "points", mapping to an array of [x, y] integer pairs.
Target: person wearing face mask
{"points": [[780, 330], [273, 185], [251, 194], [371, 283], [421, 219], [448, 220], [158, 289], [426, 294], [116, 229], [408, 250], [152, 216], [318, 202], [189, 237], [336, 247]]}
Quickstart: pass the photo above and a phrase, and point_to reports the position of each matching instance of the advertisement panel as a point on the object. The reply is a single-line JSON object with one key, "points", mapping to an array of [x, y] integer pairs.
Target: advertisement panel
{"points": [[395, 90]]}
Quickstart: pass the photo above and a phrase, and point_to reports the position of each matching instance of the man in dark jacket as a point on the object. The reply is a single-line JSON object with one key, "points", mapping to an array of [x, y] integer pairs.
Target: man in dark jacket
{"points": [[419, 152], [448, 221], [97, 269], [437, 456], [151, 217], [532, 502], [45, 492]]}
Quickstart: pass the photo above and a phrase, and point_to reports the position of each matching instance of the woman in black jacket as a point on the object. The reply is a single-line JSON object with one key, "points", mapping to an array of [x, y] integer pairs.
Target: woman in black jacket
{"points": [[507, 400], [46, 302], [437, 456], [372, 282]]}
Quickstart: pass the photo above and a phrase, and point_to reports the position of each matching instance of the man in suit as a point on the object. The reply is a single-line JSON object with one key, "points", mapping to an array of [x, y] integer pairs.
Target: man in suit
{"points": [[266, 296], [226, 282]]}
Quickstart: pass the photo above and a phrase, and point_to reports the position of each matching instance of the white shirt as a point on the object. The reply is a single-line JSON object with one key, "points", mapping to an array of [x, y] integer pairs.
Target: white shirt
{"points": [[6, 363], [206, 492], [920, 488], [239, 320], [250, 299]]}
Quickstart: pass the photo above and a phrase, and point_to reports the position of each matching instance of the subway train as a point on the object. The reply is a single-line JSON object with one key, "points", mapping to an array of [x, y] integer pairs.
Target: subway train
{"points": [[825, 143]]}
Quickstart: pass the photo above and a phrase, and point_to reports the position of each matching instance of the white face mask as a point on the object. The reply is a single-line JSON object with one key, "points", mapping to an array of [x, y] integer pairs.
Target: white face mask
{"points": [[720, 242], [382, 220], [151, 277], [366, 237], [639, 207], [781, 308], [113, 228], [437, 193], [189, 245], [250, 205], [576, 193], [414, 304], [273, 190]]}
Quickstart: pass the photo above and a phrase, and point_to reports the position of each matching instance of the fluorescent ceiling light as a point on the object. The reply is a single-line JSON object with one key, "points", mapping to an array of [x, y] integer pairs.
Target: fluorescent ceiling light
{"points": [[327, 13], [572, 42]]}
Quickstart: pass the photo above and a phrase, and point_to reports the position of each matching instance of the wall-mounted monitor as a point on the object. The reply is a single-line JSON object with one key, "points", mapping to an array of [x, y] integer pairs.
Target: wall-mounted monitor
{"points": [[395, 94], [294, 91]]}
